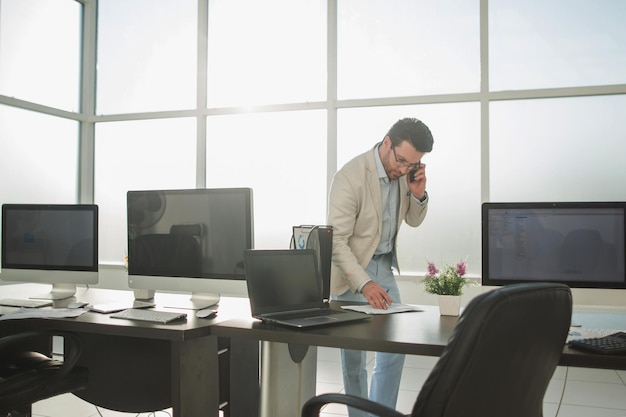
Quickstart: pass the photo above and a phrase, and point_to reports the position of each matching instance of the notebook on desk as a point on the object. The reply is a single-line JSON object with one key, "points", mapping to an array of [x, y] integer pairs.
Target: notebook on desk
{"points": [[283, 287]]}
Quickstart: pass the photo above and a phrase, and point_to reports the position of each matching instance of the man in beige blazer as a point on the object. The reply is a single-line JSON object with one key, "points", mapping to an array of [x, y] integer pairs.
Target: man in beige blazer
{"points": [[369, 199]]}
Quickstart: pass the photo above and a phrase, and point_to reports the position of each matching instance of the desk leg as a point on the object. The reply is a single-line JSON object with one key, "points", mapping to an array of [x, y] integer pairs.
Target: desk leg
{"points": [[242, 390], [288, 375], [195, 378]]}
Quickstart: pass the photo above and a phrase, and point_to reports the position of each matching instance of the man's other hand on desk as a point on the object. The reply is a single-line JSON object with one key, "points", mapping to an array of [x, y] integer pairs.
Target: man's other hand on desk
{"points": [[376, 295]]}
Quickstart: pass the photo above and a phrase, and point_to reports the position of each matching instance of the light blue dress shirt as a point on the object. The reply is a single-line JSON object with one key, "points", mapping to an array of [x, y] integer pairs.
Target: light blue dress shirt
{"points": [[390, 193]]}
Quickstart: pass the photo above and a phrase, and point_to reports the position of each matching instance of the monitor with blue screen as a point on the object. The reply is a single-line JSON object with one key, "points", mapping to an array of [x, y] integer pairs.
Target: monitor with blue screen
{"points": [[50, 243], [580, 244]]}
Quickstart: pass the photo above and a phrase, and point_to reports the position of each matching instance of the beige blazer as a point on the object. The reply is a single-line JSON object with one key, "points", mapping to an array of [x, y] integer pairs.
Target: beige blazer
{"points": [[355, 212]]}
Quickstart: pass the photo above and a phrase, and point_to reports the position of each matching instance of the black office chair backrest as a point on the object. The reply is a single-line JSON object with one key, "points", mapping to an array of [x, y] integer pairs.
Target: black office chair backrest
{"points": [[27, 376], [502, 354]]}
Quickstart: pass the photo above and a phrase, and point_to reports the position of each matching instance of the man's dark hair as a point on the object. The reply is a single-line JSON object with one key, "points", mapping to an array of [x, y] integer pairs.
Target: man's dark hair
{"points": [[413, 130]]}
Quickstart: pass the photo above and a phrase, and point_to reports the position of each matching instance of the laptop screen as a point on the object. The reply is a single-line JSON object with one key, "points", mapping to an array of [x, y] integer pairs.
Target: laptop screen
{"points": [[282, 280]]}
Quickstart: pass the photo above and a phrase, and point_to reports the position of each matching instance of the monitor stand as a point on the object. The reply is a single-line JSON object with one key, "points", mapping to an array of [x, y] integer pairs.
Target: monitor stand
{"points": [[58, 292], [143, 294], [198, 301]]}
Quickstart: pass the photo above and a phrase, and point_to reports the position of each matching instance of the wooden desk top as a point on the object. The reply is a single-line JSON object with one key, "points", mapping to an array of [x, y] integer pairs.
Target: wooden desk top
{"points": [[92, 322], [415, 333]]}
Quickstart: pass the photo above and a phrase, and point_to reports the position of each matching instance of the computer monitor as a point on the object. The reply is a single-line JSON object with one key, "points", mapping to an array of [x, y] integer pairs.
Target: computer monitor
{"points": [[50, 243], [189, 241], [580, 244]]}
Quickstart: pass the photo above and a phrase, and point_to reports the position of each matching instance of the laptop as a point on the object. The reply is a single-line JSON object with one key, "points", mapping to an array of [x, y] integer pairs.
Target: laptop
{"points": [[284, 288]]}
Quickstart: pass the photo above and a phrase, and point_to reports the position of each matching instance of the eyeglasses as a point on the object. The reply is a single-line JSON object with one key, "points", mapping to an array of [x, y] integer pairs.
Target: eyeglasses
{"points": [[405, 164]]}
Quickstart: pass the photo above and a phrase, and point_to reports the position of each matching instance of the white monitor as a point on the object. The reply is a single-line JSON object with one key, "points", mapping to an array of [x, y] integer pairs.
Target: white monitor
{"points": [[50, 243], [189, 241]]}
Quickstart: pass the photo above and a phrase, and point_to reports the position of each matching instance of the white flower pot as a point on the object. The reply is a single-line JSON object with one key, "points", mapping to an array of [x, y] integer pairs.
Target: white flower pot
{"points": [[449, 305]]}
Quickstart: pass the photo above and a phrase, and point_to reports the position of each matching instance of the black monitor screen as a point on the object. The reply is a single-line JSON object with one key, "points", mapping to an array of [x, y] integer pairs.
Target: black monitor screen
{"points": [[50, 237], [579, 244], [193, 233]]}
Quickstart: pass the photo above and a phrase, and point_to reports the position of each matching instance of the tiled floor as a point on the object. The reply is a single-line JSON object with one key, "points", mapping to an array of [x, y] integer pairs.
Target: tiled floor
{"points": [[573, 392]]}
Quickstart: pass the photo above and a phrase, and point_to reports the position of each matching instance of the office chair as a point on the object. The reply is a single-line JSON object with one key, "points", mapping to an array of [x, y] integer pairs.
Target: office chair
{"points": [[498, 361], [28, 376]]}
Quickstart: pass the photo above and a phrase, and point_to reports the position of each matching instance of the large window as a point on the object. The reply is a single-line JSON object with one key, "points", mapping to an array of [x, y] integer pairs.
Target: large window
{"points": [[407, 48], [280, 155], [38, 157], [556, 43], [146, 55], [40, 51], [523, 99], [266, 52], [138, 155], [565, 149]]}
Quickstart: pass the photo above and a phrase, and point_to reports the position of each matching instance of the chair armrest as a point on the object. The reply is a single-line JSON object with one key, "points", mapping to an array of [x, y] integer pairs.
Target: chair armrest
{"points": [[71, 344], [313, 406], [28, 375]]}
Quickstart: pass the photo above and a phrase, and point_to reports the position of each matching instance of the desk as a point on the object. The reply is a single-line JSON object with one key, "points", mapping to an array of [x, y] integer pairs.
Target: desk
{"points": [[178, 360], [595, 320], [415, 333], [418, 333], [140, 367]]}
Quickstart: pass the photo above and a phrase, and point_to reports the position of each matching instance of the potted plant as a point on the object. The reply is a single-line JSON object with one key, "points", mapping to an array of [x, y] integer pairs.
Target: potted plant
{"points": [[447, 285]]}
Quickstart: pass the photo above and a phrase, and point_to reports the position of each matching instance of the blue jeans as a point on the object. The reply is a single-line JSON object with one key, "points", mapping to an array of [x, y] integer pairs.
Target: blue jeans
{"points": [[387, 366]]}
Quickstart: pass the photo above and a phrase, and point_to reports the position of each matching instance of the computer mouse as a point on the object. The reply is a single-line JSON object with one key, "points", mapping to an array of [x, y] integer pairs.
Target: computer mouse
{"points": [[206, 313], [77, 304]]}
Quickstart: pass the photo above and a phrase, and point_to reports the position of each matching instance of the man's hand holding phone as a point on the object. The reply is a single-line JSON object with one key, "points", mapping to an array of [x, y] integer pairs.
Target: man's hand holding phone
{"points": [[416, 180]]}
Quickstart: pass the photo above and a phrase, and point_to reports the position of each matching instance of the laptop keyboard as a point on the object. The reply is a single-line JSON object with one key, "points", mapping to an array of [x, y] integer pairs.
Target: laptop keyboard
{"points": [[305, 314]]}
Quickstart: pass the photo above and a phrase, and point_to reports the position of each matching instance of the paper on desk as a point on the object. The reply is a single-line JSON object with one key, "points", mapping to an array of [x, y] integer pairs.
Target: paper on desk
{"points": [[393, 308], [47, 313]]}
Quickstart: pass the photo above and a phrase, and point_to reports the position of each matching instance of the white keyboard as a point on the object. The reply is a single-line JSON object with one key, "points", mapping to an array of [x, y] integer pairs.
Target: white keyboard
{"points": [[153, 316]]}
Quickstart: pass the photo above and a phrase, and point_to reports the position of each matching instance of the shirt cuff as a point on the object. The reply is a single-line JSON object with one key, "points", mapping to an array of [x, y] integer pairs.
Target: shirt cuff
{"points": [[360, 288], [421, 202]]}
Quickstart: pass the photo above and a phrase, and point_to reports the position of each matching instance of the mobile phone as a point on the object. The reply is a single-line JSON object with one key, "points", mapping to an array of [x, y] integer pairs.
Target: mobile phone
{"points": [[414, 171]]}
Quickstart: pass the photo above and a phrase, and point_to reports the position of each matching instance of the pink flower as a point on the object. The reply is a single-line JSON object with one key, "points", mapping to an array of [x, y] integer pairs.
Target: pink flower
{"points": [[460, 268], [449, 281], [432, 270]]}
